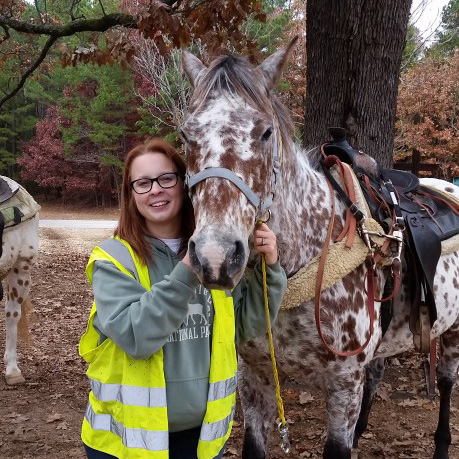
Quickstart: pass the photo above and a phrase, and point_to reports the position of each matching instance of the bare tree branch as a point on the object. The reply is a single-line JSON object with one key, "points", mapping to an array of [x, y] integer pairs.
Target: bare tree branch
{"points": [[79, 25], [38, 11], [102, 7], [165, 76], [75, 3], [57, 31], [72, 7], [415, 52], [30, 70], [150, 24]]}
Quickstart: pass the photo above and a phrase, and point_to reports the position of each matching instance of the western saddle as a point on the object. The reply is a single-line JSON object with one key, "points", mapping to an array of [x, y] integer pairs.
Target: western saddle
{"points": [[416, 216]]}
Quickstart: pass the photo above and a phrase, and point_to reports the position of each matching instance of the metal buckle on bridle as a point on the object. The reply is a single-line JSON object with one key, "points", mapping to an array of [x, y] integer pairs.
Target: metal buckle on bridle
{"points": [[265, 217]]}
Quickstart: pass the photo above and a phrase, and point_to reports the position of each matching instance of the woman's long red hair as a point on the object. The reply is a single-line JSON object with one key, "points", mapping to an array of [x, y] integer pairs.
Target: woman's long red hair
{"points": [[131, 225]]}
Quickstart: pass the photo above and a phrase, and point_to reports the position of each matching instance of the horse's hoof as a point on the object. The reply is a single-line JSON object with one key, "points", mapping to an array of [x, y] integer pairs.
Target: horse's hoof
{"points": [[14, 380]]}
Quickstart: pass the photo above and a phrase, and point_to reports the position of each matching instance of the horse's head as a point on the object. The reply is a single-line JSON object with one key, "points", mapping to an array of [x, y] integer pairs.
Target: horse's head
{"points": [[232, 134]]}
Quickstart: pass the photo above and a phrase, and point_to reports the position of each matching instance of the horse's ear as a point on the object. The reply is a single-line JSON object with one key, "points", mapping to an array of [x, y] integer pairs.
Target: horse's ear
{"points": [[193, 67], [272, 66]]}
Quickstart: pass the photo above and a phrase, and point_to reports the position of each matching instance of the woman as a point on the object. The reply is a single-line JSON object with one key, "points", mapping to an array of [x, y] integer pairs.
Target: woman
{"points": [[160, 346]]}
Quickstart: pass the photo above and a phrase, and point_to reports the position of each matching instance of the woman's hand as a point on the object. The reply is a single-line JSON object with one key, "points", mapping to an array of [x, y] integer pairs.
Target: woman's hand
{"points": [[265, 243]]}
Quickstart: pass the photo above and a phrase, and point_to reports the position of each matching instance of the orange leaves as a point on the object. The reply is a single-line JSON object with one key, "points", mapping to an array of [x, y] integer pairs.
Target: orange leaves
{"points": [[158, 23], [215, 22], [11, 9], [428, 113], [117, 49]]}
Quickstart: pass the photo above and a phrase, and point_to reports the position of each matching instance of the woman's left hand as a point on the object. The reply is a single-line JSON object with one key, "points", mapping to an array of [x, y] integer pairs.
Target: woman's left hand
{"points": [[265, 243]]}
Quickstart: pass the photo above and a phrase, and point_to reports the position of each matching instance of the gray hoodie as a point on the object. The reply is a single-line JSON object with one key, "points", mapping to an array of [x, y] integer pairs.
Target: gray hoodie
{"points": [[177, 315]]}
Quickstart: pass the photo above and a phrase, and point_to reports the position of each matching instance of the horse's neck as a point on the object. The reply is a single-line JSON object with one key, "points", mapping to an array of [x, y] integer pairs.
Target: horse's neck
{"points": [[301, 212]]}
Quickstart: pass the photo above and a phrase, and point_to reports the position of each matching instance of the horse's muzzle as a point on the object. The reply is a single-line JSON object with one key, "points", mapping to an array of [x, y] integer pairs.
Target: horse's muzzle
{"points": [[218, 261]]}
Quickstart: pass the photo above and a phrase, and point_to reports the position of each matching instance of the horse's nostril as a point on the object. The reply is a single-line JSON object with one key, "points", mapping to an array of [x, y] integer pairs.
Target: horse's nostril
{"points": [[236, 256], [238, 253]]}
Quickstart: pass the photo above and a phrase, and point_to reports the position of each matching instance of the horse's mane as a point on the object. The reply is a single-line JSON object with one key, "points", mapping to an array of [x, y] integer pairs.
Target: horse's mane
{"points": [[314, 156], [235, 75]]}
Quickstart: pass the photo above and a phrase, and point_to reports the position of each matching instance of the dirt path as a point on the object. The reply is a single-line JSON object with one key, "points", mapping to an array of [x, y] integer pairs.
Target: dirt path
{"points": [[41, 419]]}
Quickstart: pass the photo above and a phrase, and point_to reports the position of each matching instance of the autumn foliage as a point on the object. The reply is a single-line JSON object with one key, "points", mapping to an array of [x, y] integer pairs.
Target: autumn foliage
{"points": [[217, 24], [93, 110], [428, 114], [43, 159]]}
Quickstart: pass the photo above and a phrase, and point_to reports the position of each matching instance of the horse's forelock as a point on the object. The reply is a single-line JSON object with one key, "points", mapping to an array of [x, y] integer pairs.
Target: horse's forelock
{"points": [[235, 75]]}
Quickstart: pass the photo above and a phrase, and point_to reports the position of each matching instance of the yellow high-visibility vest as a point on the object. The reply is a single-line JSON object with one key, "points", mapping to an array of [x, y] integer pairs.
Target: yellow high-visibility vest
{"points": [[127, 411]]}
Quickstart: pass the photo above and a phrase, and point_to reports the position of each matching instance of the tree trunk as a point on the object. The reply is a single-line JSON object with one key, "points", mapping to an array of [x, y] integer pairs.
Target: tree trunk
{"points": [[354, 52]]}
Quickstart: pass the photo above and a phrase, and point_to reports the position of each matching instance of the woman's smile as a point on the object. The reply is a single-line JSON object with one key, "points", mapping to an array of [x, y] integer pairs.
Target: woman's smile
{"points": [[161, 207]]}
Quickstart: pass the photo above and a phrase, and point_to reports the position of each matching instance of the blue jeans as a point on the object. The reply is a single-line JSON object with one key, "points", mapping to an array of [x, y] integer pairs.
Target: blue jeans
{"points": [[182, 445], [94, 454]]}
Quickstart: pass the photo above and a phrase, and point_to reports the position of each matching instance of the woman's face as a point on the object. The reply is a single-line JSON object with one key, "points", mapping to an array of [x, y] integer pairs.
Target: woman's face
{"points": [[161, 207]]}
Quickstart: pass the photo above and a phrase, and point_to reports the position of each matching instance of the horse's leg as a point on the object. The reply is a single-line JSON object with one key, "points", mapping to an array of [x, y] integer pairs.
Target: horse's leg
{"points": [[13, 315], [374, 373], [344, 397], [18, 288], [259, 406], [446, 377]]}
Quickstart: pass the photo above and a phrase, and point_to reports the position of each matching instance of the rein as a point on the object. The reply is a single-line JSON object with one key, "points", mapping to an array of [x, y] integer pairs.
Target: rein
{"points": [[349, 230]]}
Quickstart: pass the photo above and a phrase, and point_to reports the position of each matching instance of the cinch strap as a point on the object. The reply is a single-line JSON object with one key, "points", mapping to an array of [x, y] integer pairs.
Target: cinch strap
{"points": [[150, 440], [129, 395]]}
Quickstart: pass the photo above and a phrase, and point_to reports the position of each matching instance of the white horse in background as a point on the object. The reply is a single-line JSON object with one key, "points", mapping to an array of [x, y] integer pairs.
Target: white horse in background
{"points": [[19, 223]]}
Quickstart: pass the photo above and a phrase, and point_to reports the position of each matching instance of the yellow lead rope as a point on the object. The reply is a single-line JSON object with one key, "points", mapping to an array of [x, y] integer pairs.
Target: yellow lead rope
{"points": [[281, 424]]}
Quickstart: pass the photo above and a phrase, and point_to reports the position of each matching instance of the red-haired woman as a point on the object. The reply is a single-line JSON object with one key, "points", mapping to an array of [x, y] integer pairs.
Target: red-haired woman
{"points": [[160, 346]]}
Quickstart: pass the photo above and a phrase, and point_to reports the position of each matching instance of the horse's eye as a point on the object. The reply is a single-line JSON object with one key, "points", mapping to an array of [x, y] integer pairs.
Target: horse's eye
{"points": [[183, 135], [267, 134]]}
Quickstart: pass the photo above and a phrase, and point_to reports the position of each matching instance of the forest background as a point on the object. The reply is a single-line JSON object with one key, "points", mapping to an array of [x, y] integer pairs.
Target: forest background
{"points": [[67, 130]]}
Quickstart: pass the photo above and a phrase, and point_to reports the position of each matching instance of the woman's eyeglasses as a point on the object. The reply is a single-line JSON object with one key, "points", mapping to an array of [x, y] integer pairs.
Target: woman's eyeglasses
{"points": [[144, 185]]}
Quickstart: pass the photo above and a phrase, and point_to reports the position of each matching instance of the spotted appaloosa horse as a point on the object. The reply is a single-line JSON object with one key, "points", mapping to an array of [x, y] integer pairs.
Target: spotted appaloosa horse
{"points": [[20, 248], [232, 134]]}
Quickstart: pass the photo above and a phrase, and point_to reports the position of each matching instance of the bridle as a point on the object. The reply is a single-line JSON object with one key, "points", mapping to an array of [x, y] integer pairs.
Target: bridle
{"points": [[262, 207]]}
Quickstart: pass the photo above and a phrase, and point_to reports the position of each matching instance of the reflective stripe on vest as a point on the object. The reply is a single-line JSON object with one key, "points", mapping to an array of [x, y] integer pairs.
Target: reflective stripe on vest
{"points": [[132, 438], [222, 389], [129, 395], [138, 396], [152, 396], [120, 252], [217, 429]]}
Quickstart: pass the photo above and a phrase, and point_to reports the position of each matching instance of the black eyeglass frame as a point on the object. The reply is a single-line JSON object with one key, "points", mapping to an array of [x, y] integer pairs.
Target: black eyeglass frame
{"points": [[153, 180]]}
